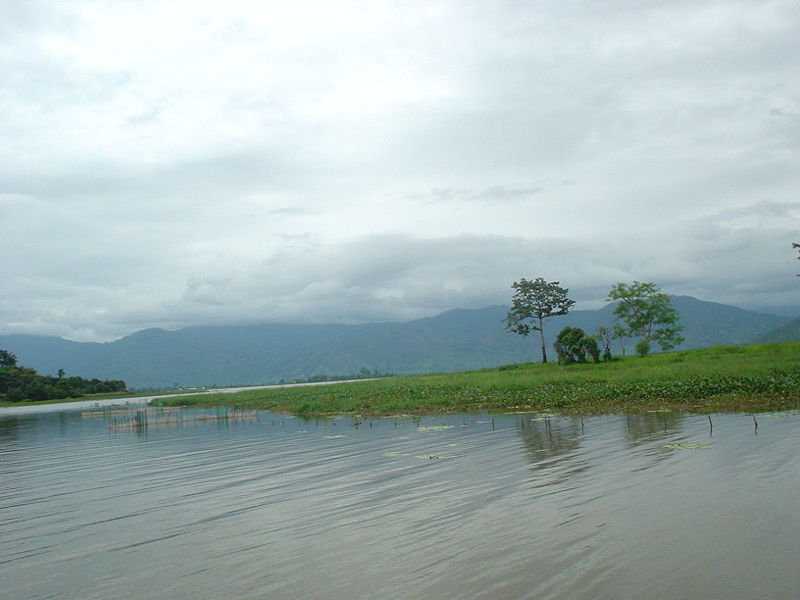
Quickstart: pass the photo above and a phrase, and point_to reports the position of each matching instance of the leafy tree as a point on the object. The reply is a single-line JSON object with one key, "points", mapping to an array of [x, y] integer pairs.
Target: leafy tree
{"points": [[572, 345], [532, 303], [568, 346], [642, 347], [7, 359], [589, 344], [646, 313]]}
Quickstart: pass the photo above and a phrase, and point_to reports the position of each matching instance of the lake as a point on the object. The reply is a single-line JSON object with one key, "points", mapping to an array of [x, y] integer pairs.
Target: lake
{"points": [[188, 504]]}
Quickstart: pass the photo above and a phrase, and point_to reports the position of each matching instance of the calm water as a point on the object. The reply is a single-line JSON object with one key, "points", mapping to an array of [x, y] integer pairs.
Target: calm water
{"points": [[465, 506]]}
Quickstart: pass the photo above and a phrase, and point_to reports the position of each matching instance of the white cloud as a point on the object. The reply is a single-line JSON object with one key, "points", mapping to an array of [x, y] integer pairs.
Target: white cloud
{"points": [[190, 162]]}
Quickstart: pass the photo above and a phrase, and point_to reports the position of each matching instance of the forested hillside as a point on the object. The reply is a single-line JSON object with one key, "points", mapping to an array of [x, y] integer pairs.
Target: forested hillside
{"points": [[252, 354]]}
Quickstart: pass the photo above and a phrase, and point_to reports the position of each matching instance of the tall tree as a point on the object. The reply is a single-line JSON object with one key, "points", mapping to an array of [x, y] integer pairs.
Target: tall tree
{"points": [[7, 359], [532, 303], [646, 313]]}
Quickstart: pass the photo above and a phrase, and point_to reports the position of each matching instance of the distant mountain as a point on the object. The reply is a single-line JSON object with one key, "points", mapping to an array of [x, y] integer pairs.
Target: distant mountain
{"points": [[788, 332], [251, 354]]}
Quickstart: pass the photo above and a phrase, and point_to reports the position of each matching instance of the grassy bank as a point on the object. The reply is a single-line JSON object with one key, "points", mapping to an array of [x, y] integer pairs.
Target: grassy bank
{"points": [[720, 379]]}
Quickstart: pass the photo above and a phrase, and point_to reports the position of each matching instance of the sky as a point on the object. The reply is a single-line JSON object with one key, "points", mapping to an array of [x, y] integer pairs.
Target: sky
{"points": [[178, 163]]}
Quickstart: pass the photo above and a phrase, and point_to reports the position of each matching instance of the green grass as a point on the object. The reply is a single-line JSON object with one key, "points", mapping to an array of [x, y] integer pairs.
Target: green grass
{"points": [[720, 379]]}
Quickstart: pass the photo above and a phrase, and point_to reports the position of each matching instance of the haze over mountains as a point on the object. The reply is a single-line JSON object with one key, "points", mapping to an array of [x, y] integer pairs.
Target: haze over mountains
{"points": [[255, 354]]}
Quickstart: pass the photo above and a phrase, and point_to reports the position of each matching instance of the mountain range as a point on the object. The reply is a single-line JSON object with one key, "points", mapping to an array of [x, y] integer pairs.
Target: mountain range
{"points": [[458, 339]]}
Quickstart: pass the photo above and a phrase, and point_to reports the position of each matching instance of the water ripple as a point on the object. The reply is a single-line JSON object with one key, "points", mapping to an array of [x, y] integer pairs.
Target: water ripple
{"points": [[465, 506]]}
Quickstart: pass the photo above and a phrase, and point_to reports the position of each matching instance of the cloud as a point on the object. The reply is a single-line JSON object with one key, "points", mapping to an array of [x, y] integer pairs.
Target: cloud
{"points": [[492, 194], [191, 162], [398, 277]]}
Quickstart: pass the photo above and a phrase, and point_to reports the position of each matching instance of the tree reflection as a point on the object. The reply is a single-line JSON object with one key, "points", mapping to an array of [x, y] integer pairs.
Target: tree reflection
{"points": [[645, 428], [551, 440], [9, 429]]}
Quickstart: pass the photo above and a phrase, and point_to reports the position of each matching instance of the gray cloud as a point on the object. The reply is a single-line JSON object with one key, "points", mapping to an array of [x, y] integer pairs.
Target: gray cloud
{"points": [[194, 163]]}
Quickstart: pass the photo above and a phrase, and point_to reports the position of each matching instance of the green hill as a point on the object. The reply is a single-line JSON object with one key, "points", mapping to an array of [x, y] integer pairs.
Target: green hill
{"points": [[267, 353]]}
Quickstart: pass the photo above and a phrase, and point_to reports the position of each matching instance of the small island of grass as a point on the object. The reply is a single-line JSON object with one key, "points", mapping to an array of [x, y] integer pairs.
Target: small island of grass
{"points": [[753, 378]]}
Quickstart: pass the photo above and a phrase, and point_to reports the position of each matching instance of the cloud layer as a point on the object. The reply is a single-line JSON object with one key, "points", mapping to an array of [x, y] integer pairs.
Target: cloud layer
{"points": [[175, 163]]}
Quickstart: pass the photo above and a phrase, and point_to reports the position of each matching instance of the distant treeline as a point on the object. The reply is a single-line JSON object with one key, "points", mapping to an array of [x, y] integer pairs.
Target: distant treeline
{"points": [[363, 373], [18, 383]]}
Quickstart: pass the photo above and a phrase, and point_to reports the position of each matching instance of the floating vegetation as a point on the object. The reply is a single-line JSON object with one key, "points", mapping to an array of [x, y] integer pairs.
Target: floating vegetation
{"points": [[782, 415], [435, 457], [685, 446], [435, 428]]}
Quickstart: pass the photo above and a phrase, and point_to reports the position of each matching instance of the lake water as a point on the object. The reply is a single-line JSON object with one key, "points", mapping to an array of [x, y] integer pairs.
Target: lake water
{"points": [[193, 505]]}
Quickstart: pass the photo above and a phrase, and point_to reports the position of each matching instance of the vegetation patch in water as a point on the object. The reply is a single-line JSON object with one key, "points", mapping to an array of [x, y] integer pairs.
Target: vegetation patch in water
{"points": [[755, 378], [685, 446], [434, 457]]}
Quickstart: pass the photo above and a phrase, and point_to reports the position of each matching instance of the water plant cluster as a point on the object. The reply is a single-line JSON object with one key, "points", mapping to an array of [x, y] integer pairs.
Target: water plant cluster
{"points": [[728, 378]]}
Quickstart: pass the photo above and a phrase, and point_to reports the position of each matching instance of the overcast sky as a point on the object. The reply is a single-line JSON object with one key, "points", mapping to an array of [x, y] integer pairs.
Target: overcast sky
{"points": [[175, 163]]}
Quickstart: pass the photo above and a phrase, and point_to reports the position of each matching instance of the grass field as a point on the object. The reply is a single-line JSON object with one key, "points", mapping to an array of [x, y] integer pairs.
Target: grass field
{"points": [[720, 379]]}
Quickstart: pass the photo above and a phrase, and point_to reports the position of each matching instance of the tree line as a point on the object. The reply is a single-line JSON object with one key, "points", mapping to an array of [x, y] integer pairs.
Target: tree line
{"points": [[19, 383], [642, 311]]}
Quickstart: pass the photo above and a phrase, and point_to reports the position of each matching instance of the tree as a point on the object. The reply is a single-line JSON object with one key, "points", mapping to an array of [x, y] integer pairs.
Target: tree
{"points": [[568, 346], [646, 313], [572, 345], [532, 303], [7, 359], [604, 334]]}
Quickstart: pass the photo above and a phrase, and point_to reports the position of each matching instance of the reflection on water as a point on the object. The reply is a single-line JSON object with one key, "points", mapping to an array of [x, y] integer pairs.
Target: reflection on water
{"points": [[549, 438], [206, 504], [648, 427], [8, 429]]}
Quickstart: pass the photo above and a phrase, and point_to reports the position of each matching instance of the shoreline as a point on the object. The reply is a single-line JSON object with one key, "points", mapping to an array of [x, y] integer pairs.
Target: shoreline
{"points": [[145, 400]]}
